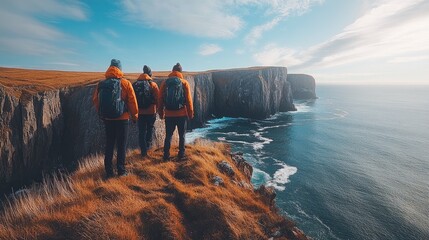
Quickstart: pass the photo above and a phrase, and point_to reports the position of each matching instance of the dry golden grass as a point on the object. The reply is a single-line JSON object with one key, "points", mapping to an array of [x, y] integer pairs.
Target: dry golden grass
{"points": [[33, 81], [157, 200]]}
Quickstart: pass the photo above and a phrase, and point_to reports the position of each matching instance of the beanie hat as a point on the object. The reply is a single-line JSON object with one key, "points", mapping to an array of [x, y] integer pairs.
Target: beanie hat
{"points": [[147, 70], [116, 63], [177, 67]]}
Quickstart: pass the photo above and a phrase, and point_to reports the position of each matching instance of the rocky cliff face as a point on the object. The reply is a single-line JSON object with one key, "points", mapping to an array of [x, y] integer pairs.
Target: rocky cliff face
{"points": [[10, 129], [31, 135], [41, 131], [253, 93], [303, 86]]}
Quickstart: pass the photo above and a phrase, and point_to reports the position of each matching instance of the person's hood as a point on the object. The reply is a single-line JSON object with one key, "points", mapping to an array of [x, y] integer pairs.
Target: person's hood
{"points": [[113, 72], [175, 74], [144, 76]]}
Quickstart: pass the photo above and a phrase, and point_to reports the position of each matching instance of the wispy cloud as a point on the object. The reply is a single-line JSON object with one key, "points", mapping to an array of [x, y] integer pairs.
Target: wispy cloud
{"points": [[67, 64], [255, 34], [112, 33], [209, 49], [210, 18], [195, 17], [409, 59], [390, 29], [74, 10], [274, 55], [106, 41], [23, 32], [280, 10]]}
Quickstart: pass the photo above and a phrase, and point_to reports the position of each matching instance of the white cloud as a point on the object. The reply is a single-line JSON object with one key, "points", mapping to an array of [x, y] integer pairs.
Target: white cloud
{"points": [[409, 59], [112, 33], [209, 18], [209, 49], [194, 17], [281, 10], [74, 10], [23, 32], [390, 29], [106, 41], [273, 55], [256, 32], [30, 47], [67, 64]]}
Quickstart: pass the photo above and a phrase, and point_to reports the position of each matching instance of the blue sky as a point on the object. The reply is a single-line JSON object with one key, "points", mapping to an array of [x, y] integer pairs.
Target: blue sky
{"points": [[347, 41]]}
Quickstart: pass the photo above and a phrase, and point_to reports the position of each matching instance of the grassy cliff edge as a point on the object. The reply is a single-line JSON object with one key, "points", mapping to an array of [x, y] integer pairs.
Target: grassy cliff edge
{"points": [[192, 199]]}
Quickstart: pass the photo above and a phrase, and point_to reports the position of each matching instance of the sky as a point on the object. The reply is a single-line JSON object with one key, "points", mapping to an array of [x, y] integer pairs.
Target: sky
{"points": [[336, 41]]}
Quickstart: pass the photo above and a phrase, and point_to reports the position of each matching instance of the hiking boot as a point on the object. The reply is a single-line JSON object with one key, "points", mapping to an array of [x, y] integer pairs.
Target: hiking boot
{"points": [[182, 157], [109, 175]]}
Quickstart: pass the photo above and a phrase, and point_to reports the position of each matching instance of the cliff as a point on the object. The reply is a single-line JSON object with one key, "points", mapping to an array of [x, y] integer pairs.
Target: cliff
{"points": [[48, 120], [303, 86], [208, 196], [252, 93]]}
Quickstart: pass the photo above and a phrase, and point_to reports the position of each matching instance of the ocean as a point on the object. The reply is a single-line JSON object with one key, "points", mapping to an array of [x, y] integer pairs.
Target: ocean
{"points": [[352, 164]]}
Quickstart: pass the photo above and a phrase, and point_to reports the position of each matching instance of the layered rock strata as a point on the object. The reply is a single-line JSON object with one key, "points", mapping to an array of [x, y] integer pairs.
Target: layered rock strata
{"points": [[303, 86], [56, 127]]}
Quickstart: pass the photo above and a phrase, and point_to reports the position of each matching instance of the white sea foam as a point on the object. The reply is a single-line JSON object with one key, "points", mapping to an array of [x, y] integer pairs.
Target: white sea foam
{"points": [[235, 134], [239, 142], [275, 126], [263, 141], [341, 113], [281, 176], [211, 125], [302, 107], [275, 116]]}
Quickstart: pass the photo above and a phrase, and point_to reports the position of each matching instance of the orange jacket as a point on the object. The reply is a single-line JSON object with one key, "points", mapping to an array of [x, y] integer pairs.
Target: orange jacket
{"points": [[155, 91], [187, 111], [127, 94]]}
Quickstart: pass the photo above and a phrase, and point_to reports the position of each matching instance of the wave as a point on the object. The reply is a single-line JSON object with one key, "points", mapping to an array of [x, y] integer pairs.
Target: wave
{"points": [[275, 126], [303, 106], [234, 141], [214, 124], [264, 141], [281, 176], [235, 134], [260, 177]]}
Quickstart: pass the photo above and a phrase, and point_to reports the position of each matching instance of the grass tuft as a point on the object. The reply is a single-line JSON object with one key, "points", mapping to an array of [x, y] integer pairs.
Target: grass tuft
{"points": [[158, 200]]}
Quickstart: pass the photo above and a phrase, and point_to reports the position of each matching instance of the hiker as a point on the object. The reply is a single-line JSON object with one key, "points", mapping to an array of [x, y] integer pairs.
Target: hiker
{"points": [[176, 98], [147, 94], [116, 103]]}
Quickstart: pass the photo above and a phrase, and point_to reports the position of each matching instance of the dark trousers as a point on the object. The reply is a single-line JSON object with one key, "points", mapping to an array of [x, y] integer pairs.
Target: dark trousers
{"points": [[146, 123], [116, 133], [170, 126]]}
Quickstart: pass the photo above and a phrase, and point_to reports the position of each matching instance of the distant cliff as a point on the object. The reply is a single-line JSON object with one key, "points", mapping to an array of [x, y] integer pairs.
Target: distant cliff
{"points": [[252, 93], [53, 126], [303, 86]]}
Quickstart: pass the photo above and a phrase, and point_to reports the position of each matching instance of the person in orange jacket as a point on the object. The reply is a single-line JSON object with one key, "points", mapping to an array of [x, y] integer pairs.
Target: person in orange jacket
{"points": [[175, 116], [117, 128], [147, 115]]}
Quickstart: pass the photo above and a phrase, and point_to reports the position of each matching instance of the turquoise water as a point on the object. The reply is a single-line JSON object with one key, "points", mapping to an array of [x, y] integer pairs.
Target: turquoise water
{"points": [[353, 164]]}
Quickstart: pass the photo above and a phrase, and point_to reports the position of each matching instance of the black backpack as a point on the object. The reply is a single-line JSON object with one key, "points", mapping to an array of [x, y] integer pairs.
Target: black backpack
{"points": [[144, 93], [110, 101], [174, 96]]}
